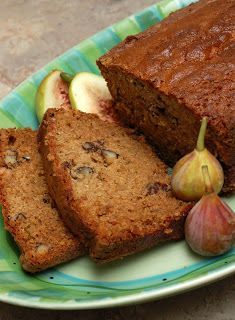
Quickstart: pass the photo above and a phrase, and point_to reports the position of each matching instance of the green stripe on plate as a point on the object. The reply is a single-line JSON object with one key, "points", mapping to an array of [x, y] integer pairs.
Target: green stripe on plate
{"points": [[148, 17], [17, 110], [58, 64], [90, 53], [27, 92], [106, 41], [8, 121], [126, 27], [168, 6], [75, 61]]}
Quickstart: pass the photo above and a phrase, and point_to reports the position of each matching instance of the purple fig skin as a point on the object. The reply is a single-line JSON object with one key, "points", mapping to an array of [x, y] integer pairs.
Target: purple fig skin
{"points": [[210, 226]]}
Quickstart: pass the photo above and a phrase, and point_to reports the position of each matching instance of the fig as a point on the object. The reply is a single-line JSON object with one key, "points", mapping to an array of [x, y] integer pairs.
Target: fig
{"points": [[89, 93], [210, 225], [187, 180], [66, 77], [52, 93]]}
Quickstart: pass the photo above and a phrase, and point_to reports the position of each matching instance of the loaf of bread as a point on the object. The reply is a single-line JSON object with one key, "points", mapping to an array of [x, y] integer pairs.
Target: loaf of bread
{"points": [[28, 211], [108, 182], [165, 79]]}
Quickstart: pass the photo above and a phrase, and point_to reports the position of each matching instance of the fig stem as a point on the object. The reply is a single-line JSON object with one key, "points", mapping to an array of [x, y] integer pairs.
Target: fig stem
{"points": [[206, 176], [201, 135], [66, 77]]}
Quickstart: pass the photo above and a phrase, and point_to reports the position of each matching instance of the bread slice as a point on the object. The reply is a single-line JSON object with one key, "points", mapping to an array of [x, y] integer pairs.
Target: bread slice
{"points": [[28, 210], [109, 183]]}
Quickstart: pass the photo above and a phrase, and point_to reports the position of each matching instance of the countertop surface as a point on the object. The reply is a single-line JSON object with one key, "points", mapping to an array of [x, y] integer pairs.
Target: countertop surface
{"points": [[33, 32]]}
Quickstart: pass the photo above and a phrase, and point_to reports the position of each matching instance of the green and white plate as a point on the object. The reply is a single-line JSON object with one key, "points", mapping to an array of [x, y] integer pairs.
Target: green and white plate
{"points": [[160, 272]]}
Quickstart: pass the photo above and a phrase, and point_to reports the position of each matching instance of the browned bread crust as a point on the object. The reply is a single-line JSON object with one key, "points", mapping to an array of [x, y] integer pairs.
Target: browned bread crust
{"points": [[124, 205], [165, 79], [28, 211]]}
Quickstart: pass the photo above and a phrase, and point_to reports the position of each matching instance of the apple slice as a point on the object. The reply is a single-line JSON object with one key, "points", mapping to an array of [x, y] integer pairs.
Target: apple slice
{"points": [[52, 93], [89, 93]]}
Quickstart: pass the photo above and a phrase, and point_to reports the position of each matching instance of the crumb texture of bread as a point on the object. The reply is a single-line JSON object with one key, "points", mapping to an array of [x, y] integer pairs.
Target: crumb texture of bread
{"points": [[165, 79], [29, 212], [109, 183]]}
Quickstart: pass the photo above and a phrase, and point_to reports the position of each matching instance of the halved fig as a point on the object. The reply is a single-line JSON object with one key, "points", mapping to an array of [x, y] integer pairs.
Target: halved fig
{"points": [[53, 92], [89, 93]]}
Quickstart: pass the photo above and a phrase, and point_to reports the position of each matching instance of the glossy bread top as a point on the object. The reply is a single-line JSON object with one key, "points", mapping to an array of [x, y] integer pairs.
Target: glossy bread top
{"points": [[190, 56]]}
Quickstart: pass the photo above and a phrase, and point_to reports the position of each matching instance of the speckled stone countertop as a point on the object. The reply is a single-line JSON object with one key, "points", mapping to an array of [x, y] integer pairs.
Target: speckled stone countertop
{"points": [[33, 32]]}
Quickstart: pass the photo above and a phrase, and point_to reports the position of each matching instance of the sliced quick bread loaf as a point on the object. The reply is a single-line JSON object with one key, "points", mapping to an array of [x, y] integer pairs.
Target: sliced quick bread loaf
{"points": [[165, 79], [28, 210], [109, 183]]}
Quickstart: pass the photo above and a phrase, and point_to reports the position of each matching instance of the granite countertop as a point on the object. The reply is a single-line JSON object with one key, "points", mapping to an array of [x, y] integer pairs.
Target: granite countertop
{"points": [[31, 34]]}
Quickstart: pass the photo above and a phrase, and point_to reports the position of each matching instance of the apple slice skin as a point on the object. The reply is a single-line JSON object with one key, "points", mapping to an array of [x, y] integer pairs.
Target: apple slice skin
{"points": [[52, 93], [89, 93]]}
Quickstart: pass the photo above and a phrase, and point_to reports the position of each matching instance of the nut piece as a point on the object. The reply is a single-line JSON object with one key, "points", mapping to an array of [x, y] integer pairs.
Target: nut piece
{"points": [[109, 156], [154, 188], [26, 157], [93, 146], [11, 158], [80, 173], [17, 217], [67, 164], [42, 249]]}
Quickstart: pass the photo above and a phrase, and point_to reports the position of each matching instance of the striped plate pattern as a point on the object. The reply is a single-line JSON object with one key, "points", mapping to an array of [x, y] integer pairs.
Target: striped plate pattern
{"points": [[81, 284]]}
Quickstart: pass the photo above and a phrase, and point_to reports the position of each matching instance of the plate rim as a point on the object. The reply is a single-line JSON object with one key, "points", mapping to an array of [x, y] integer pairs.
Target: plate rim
{"points": [[137, 298]]}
